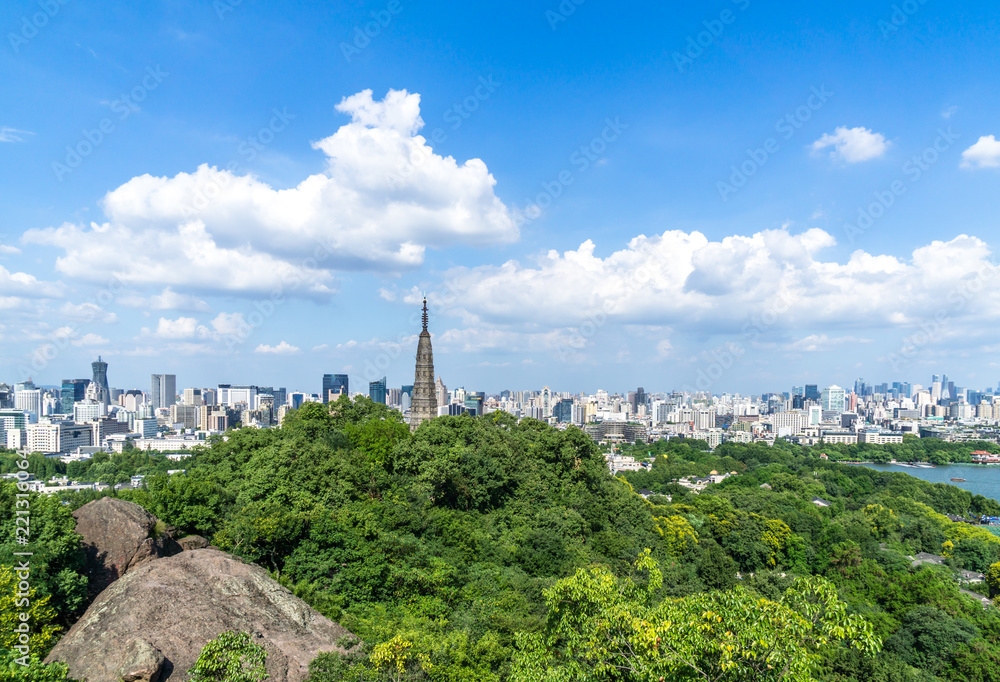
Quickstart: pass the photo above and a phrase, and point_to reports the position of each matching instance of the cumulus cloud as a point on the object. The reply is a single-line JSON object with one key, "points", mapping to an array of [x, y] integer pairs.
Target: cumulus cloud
{"points": [[87, 312], [90, 340], [853, 145], [693, 284], [984, 154], [28, 286], [283, 348], [383, 199], [181, 328], [9, 250]]}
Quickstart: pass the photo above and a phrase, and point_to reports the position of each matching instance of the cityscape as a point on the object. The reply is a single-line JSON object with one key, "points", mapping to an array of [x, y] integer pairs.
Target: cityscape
{"points": [[85, 416]]}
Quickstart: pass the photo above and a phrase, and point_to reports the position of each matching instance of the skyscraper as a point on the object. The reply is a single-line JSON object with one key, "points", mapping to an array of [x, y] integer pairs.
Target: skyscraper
{"points": [[376, 390], [834, 399], [337, 383], [424, 404], [163, 390], [72, 391], [101, 379]]}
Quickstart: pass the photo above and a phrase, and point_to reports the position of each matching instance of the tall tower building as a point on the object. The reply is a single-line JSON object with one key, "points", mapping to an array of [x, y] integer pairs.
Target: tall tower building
{"points": [[424, 403], [162, 390], [101, 379], [333, 386]]}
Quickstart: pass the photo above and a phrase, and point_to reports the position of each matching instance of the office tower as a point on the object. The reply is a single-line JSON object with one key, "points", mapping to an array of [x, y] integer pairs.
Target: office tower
{"points": [[474, 403], [101, 379], [29, 401], [546, 402], [334, 385], [192, 397], [442, 392], [6, 397], [376, 391], [935, 389], [563, 411], [798, 391], [640, 398], [163, 390], [424, 404], [834, 399], [812, 392], [72, 390]]}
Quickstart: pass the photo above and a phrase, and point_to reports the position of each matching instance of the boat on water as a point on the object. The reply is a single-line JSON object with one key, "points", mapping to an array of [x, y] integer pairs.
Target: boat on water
{"points": [[960, 480], [916, 465]]}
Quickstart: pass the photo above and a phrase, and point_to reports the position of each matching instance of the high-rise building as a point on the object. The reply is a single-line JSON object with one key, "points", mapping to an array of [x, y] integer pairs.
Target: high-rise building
{"points": [[29, 401], [163, 390], [192, 397], [101, 379], [563, 411], [442, 392], [834, 399], [376, 391], [72, 391], [424, 404], [812, 392], [334, 385]]}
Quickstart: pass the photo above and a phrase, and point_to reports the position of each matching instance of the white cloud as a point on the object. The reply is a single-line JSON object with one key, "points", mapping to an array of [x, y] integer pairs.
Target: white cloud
{"points": [[181, 328], [23, 284], [692, 284], [283, 348], [168, 299], [9, 250], [87, 312], [384, 198], [822, 342], [984, 154], [12, 134], [853, 145], [90, 340]]}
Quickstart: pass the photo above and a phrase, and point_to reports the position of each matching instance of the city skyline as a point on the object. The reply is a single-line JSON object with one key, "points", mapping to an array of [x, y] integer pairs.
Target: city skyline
{"points": [[766, 183]]}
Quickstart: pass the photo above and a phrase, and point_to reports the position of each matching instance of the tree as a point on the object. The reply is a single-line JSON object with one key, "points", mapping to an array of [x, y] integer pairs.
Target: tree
{"points": [[601, 627], [230, 657], [993, 579], [39, 630]]}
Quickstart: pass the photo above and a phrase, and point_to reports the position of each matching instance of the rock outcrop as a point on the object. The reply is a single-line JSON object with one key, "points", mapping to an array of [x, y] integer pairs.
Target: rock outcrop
{"points": [[151, 624], [117, 537], [190, 542]]}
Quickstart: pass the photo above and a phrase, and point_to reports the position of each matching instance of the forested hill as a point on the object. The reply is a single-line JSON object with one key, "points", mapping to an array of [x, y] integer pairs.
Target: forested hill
{"points": [[492, 549]]}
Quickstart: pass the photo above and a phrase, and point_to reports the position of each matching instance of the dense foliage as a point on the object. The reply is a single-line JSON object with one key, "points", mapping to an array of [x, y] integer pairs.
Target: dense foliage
{"points": [[478, 549]]}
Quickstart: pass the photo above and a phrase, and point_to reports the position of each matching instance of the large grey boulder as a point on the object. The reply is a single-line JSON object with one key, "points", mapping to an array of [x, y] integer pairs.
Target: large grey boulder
{"points": [[117, 537], [172, 607]]}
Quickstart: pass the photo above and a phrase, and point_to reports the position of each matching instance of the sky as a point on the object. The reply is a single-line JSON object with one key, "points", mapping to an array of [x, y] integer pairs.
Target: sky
{"points": [[736, 196]]}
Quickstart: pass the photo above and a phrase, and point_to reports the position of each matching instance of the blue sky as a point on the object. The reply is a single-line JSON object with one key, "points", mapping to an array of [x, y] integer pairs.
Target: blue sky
{"points": [[563, 181]]}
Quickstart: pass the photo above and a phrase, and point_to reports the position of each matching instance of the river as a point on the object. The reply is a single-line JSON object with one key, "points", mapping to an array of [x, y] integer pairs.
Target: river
{"points": [[980, 479]]}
